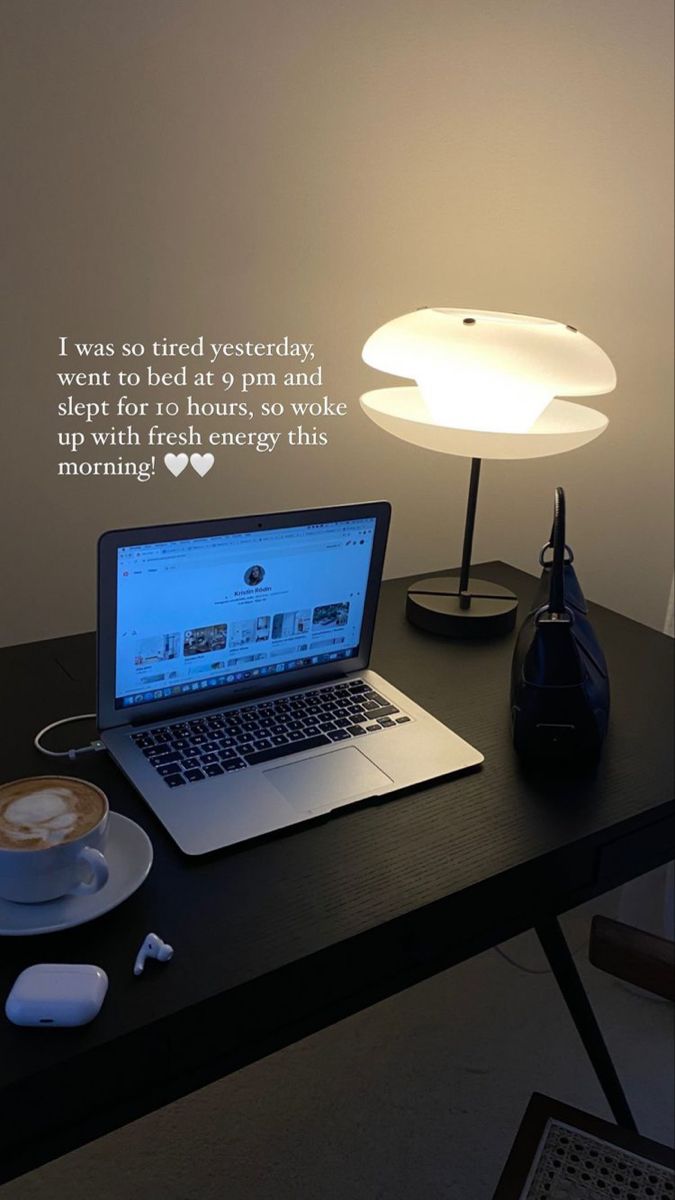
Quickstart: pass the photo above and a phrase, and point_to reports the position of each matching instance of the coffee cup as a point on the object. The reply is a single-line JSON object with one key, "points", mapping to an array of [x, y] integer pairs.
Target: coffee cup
{"points": [[53, 832]]}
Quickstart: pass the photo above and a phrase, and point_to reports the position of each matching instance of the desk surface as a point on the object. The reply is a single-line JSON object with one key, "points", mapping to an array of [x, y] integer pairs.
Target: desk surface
{"points": [[278, 938]]}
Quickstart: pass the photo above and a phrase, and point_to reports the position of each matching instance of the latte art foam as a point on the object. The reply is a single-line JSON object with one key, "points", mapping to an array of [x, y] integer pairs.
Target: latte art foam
{"points": [[35, 815]]}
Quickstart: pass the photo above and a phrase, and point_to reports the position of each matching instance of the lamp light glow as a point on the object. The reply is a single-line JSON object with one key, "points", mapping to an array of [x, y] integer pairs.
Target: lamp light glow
{"points": [[485, 400]]}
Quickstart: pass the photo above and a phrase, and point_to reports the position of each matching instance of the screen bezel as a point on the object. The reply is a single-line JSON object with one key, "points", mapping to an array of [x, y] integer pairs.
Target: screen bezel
{"points": [[109, 543]]}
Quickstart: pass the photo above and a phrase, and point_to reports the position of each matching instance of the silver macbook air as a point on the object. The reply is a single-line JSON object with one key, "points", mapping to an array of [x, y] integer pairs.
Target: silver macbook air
{"points": [[233, 682]]}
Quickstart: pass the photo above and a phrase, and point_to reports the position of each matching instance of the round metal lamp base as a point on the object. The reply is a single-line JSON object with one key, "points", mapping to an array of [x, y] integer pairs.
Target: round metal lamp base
{"points": [[434, 605]]}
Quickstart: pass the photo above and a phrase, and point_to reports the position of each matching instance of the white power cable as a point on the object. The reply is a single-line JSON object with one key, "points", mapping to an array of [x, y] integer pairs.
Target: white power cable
{"points": [[76, 751]]}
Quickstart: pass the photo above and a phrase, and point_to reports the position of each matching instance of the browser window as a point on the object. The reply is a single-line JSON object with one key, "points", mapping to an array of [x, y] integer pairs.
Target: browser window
{"points": [[210, 611]]}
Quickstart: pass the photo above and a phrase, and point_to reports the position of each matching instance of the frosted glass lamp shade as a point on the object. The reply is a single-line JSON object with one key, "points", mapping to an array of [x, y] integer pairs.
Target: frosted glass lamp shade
{"points": [[487, 371], [403, 412]]}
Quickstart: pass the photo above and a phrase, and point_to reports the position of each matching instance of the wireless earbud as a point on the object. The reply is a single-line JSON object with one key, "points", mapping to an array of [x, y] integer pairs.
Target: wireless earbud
{"points": [[152, 947]]}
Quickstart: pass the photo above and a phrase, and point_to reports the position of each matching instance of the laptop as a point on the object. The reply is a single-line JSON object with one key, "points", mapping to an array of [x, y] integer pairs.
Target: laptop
{"points": [[233, 683]]}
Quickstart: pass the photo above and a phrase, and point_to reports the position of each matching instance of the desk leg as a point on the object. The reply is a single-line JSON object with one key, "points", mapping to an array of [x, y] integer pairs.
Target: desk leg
{"points": [[567, 977]]}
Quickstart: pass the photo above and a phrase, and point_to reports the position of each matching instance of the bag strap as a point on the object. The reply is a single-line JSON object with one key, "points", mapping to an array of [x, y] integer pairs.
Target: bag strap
{"points": [[556, 599]]}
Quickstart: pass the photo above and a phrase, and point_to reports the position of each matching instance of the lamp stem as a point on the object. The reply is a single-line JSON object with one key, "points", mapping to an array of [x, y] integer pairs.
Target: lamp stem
{"points": [[464, 600]]}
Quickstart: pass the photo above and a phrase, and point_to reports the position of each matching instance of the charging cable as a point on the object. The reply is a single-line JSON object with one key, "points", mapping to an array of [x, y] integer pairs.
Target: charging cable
{"points": [[92, 747]]}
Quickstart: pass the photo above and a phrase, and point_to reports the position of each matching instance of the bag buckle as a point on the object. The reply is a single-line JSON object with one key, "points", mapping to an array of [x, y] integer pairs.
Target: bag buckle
{"points": [[544, 614], [547, 562]]}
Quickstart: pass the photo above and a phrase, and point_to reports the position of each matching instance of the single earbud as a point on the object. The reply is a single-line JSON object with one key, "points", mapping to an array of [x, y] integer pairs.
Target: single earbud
{"points": [[152, 947]]}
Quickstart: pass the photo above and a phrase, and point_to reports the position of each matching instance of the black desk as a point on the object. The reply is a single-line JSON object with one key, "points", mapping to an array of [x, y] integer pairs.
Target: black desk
{"points": [[281, 938]]}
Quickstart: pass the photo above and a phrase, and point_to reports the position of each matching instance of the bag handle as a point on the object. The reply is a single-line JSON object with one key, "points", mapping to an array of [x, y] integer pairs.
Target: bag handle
{"points": [[556, 599]]}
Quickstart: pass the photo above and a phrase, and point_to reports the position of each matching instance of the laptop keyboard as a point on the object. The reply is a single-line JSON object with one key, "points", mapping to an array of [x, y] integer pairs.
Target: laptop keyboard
{"points": [[188, 751]]}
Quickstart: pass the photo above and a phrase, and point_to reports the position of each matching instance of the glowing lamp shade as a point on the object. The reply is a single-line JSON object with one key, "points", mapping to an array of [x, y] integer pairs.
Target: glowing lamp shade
{"points": [[489, 385], [486, 371]]}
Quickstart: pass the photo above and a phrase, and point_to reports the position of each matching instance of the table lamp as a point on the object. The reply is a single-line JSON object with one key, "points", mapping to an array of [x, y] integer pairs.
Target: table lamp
{"points": [[487, 387]]}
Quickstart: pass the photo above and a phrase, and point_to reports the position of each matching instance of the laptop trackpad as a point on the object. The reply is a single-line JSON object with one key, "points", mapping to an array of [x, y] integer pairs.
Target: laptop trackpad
{"points": [[326, 780]]}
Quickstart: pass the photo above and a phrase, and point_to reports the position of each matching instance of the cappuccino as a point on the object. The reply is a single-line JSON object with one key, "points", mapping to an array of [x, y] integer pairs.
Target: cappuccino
{"points": [[47, 811]]}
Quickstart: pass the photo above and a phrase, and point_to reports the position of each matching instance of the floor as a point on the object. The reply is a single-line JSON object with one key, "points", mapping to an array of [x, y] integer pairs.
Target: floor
{"points": [[418, 1098]]}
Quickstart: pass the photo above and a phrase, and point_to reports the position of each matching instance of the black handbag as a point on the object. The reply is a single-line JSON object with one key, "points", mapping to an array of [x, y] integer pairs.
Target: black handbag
{"points": [[559, 680]]}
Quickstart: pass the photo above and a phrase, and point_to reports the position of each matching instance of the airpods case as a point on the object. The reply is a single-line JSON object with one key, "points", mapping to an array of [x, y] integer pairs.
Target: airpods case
{"points": [[61, 994]]}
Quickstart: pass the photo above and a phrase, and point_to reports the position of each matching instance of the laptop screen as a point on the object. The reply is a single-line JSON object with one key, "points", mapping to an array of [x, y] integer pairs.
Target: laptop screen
{"points": [[206, 612]]}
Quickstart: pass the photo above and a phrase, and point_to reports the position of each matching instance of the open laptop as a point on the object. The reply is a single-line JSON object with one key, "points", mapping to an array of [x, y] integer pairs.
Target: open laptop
{"points": [[233, 682]]}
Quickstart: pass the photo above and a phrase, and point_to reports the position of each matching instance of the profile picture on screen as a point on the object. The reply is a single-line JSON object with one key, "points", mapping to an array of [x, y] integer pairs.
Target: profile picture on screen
{"points": [[254, 576]]}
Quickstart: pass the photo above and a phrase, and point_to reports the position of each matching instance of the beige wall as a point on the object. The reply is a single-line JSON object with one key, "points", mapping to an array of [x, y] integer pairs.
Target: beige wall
{"points": [[314, 168]]}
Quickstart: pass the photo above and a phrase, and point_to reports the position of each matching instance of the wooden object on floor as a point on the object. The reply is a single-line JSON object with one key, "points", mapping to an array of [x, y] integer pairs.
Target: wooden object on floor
{"points": [[640, 958]]}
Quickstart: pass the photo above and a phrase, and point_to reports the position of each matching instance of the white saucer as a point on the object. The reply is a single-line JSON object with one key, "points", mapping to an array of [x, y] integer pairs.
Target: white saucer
{"points": [[129, 855]]}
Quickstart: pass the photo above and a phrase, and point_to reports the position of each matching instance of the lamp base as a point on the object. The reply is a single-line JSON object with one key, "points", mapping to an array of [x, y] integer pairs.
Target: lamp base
{"points": [[434, 605]]}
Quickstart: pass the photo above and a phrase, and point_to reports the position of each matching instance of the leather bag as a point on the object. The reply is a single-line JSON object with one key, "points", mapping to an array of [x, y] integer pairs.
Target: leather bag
{"points": [[559, 679]]}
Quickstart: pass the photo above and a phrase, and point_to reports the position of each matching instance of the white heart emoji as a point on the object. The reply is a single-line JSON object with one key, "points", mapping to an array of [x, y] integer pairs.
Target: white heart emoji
{"points": [[201, 463], [175, 463]]}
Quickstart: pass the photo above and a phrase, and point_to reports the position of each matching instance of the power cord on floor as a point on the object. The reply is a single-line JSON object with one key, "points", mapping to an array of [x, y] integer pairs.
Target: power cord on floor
{"points": [[520, 967], [533, 970], [92, 747]]}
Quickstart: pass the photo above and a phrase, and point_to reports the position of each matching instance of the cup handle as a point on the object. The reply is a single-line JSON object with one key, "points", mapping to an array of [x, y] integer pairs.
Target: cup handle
{"points": [[99, 872]]}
